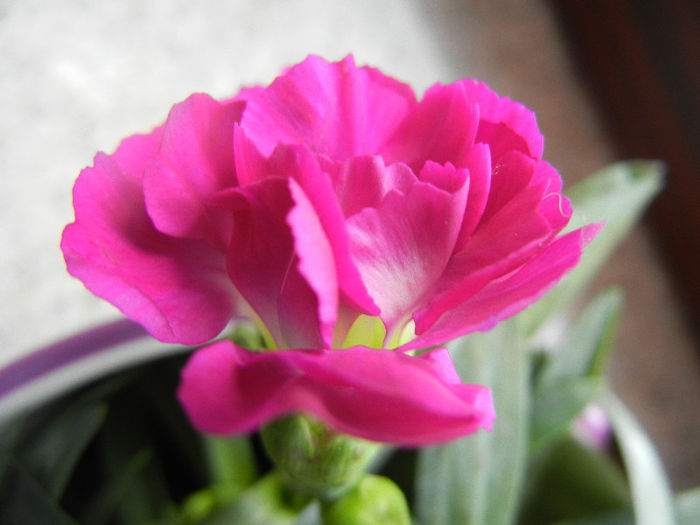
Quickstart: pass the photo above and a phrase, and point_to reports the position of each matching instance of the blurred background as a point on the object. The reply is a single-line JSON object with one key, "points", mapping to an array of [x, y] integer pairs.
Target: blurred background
{"points": [[608, 80]]}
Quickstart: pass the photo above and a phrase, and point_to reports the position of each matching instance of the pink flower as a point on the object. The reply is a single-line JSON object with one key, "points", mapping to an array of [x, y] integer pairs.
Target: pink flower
{"points": [[335, 211]]}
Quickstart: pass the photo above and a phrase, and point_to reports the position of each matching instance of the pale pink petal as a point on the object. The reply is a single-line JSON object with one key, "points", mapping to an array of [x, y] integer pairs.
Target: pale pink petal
{"points": [[402, 247], [337, 109], [503, 124], [377, 395], [441, 129], [195, 160], [154, 279], [506, 297]]}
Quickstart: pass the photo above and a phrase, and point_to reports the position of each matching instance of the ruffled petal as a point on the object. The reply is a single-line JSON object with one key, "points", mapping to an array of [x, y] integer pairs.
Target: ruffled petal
{"points": [[336, 109], [373, 177], [503, 124], [478, 162], [441, 129], [195, 160], [315, 263], [377, 395], [402, 247], [302, 167], [512, 232], [115, 250], [506, 297]]}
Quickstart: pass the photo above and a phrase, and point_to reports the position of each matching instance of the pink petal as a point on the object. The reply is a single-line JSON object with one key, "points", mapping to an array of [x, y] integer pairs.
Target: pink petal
{"points": [[194, 162], [316, 264], [373, 394], [402, 247], [337, 109], [264, 266], [478, 162], [507, 238], [506, 297], [154, 279], [373, 177], [300, 165], [503, 124], [442, 129]]}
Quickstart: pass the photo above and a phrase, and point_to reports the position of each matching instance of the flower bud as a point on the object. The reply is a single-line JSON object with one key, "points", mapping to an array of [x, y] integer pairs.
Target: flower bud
{"points": [[375, 500], [315, 459]]}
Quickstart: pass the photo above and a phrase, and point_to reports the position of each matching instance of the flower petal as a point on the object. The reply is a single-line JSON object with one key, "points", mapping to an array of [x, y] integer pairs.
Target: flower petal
{"points": [[316, 264], [373, 394], [302, 167], [195, 160], [512, 232], [478, 162], [402, 247], [337, 109], [154, 279], [506, 297], [264, 266], [441, 129], [503, 124]]}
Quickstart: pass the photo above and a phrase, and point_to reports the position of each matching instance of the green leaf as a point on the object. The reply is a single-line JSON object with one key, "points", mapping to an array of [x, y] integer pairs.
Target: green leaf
{"points": [[570, 480], [134, 482], [231, 461], [652, 500], [113, 494], [52, 454], [556, 405], [617, 195], [477, 479], [24, 502], [585, 348]]}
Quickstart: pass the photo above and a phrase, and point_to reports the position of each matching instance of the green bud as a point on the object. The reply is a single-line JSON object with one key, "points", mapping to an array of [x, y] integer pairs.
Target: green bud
{"points": [[314, 459], [375, 500]]}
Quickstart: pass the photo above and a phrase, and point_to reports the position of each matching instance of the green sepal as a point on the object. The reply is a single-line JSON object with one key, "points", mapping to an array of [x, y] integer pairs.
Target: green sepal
{"points": [[314, 459]]}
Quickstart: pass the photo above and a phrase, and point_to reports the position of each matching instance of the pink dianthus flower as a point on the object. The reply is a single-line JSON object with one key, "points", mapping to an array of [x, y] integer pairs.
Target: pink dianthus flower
{"points": [[341, 216]]}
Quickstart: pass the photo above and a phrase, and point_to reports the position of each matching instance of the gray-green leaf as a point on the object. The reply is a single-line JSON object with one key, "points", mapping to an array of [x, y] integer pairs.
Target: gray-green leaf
{"points": [[618, 195], [477, 479]]}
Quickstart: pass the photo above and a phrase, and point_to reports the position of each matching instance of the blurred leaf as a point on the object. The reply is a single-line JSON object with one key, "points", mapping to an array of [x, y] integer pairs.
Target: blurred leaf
{"points": [[687, 505], [584, 350], [111, 497], [477, 479], [231, 461], [131, 461], [570, 480], [24, 502], [618, 195], [267, 502], [556, 405], [652, 499], [52, 454]]}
